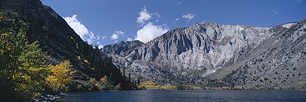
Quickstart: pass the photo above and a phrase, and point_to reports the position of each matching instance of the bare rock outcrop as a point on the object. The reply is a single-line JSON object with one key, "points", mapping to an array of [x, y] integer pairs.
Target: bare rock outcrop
{"points": [[193, 54]]}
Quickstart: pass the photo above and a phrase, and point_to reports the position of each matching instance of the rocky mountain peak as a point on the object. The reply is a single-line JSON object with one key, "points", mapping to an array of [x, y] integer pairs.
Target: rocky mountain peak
{"points": [[197, 27], [121, 48], [201, 48]]}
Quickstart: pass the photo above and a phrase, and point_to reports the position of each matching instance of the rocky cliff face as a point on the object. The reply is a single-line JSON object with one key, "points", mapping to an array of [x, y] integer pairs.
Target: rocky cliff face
{"points": [[187, 55], [277, 62]]}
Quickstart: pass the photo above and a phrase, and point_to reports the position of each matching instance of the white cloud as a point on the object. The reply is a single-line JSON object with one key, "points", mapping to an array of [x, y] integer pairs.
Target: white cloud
{"points": [[203, 22], [150, 31], [179, 3], [104, 37], [116, 34], [129, 39], [81, 30], [188, 16], [145, 15], [273, 12], [176, 20], [119, 32], [157, 15], [114, 37], [100, 46]]}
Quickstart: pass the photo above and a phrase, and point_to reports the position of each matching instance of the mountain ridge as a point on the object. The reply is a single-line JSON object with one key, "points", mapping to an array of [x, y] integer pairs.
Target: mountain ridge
{"points": [[201, 48]]}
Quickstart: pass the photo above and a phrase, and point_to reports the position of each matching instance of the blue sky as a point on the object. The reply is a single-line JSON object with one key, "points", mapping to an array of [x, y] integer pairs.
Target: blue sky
{"points": [[103, 22]]}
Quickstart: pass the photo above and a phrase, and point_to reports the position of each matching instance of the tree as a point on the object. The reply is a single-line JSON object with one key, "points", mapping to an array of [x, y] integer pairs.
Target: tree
{"points": [[138, 80], [124, 72], [129, 76], [60, 76], [104, 79], [22, 64]]}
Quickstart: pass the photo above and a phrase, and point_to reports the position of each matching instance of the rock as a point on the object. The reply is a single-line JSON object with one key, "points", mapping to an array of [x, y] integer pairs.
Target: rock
{"points": [[278, 62], [192, 54], [46, 98]]}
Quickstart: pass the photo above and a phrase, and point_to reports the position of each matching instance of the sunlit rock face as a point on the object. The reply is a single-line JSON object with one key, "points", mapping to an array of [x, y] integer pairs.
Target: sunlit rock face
{"points": [[187, 55]]}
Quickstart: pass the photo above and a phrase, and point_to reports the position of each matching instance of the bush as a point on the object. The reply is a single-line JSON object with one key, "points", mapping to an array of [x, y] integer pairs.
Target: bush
{"points": [[181, 87]]}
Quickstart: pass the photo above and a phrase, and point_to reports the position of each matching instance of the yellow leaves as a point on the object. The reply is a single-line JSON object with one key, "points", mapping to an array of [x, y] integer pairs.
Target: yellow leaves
{"points": [[3, 36], [77, 45], [72, 72], [86, 61], [61, 75], [153, 86], [104, 79], [149, 85], [22, 64], [52, 83]]}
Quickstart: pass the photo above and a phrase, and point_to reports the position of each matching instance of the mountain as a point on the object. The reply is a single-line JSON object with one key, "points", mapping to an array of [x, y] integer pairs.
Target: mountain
{"points": [[61, 42], [202, 52], [277, 62]]}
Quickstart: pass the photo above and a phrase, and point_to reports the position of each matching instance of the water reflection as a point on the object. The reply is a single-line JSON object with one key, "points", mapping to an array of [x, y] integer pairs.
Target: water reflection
{"points": [[184, 96]]}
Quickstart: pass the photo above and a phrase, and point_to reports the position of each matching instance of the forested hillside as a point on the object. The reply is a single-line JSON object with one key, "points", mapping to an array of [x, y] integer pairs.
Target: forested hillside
{"points": [[36, 43]]}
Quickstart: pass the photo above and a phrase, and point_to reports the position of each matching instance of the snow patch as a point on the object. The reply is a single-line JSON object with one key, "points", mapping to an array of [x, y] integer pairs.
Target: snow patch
{"points": [[287, 25], [239, 27], [209, 71]]}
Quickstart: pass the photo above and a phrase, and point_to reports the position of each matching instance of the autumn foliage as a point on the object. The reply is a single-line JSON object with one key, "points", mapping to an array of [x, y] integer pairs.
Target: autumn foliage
{"points": [[60, 76], [23, 72]]}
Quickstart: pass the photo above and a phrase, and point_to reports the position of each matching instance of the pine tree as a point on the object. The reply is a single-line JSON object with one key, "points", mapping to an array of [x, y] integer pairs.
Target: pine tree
{"points": [[124, 72], [129, 77]]}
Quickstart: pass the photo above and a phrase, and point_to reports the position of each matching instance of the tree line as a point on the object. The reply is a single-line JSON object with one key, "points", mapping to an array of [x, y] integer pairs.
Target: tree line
{"points": [[23, 72]]}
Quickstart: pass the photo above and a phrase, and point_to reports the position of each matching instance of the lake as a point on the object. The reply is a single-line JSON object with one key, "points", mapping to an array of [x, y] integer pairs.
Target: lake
{"points": [[185, 96]]}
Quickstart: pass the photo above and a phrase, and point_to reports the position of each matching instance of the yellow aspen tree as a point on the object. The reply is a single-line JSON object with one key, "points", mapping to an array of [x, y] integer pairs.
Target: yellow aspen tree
{"points": [[61, 75], [22, 68]]}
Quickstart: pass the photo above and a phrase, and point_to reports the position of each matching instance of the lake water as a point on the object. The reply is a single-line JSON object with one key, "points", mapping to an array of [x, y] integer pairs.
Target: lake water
{"points": [[186, 96]]}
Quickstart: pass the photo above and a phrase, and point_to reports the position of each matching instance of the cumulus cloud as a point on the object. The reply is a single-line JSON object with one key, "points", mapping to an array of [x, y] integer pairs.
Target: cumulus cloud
{"points": [[150, 31], [129, 39], [81, 30], [114, 37], [145, 15], [179, 3], [188, 16], [119, 32], [116, 34]]}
